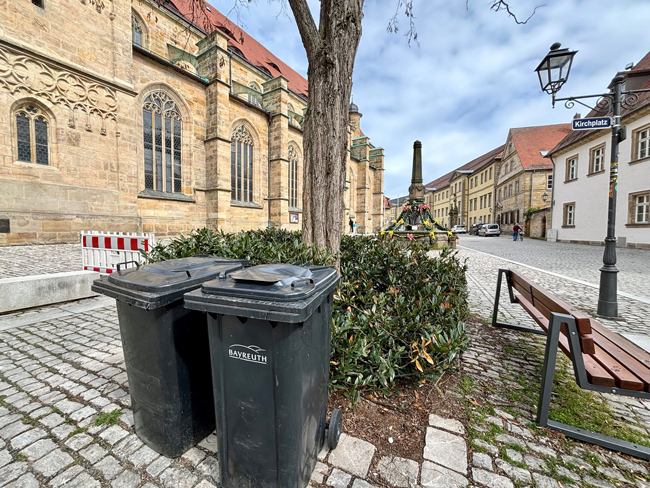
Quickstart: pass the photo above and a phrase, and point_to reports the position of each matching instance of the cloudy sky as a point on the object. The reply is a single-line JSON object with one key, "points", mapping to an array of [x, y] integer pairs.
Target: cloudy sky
{"points": [[471, 77]]}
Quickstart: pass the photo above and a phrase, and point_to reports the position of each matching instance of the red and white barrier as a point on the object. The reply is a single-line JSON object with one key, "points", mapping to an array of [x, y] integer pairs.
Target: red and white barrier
{"points": [[103, 251]]}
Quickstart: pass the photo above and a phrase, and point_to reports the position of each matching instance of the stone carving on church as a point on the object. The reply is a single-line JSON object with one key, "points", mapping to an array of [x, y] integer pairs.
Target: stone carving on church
{"points": [[241, 134], [20, 74], [98, 4]]}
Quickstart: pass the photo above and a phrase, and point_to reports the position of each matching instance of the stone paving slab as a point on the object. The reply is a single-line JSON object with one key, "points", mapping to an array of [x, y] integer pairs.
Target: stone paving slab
{"points": [[18, 261], [61, 367]]}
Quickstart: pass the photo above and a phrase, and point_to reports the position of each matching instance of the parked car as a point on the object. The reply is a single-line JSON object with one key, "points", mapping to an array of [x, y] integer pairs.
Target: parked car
{"points": [[458, 229], [473, 230], [487, 230]]}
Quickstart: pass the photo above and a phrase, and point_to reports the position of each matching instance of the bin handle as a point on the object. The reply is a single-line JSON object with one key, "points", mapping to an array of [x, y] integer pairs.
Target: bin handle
{"points": [[125, 263], [189, 275], [302, 280]]}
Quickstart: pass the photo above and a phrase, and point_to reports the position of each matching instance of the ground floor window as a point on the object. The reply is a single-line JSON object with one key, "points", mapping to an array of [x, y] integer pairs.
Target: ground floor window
{"points": [[639, 208], [569, 214]]}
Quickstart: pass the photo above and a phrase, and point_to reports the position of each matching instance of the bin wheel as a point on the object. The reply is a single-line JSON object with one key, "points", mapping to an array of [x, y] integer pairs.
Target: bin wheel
{"points": [[334, 429]]}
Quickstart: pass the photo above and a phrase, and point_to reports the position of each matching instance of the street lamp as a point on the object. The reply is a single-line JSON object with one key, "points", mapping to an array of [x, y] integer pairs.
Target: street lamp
{"points": [[553, 72], [544, 197], [554, 69]]}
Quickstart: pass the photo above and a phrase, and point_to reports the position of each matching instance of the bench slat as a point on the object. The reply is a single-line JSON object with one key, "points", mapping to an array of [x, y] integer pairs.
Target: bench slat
{"points": [[639, 354], [635, 366], [596, 374], [586, 341], [546, 302], [624, 378], [522, 286]]}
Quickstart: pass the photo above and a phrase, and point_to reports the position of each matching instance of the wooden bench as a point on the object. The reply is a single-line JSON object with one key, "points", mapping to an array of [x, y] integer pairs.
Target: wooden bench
{"points": [[602, 360]]}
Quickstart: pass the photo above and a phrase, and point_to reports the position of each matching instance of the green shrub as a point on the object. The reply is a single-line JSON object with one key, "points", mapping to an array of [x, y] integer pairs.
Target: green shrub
{"points": [[270, 245], [398, 312]]}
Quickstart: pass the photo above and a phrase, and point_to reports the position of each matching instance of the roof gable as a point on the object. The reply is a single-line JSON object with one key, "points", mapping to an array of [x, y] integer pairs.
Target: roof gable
{"points": [[529, 142]]}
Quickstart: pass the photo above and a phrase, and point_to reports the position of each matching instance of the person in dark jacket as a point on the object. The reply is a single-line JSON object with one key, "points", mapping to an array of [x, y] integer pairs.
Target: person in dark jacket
{"points": [[515, 231], [351, 225]]}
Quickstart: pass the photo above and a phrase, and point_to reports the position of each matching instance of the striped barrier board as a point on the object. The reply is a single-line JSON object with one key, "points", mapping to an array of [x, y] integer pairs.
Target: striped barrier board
{"points": [[103, 251]]}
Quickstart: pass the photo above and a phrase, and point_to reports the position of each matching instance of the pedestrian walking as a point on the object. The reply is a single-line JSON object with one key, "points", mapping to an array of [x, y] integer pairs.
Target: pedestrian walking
{"points": [[351, 225], [355, 228], [515, 231]]}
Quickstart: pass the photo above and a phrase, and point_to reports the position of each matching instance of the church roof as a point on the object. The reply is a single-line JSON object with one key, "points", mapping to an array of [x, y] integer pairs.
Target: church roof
{"points": [[209, 18]]}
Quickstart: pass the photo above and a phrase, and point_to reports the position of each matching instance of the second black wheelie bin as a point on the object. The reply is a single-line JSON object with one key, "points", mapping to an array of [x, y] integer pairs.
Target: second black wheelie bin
{"points": [[166, 349], [269, 329]]}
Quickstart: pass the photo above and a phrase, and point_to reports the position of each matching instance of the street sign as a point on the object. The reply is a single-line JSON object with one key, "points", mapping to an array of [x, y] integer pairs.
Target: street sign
{"points": [[592, 123]]}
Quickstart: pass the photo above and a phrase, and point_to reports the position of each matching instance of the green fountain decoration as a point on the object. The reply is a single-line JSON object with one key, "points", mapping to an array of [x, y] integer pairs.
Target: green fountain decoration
{"points": [[416, 223]]}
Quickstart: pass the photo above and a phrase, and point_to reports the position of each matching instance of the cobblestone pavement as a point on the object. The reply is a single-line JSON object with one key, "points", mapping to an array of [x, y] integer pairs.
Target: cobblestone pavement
{"points": [[35, 260], [62, 369], [578, 261]]}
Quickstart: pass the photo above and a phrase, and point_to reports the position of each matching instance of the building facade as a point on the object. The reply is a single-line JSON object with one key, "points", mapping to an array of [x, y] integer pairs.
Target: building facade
{"points": [[581, 176], [464, 196], [151, 117], [525, 177]]}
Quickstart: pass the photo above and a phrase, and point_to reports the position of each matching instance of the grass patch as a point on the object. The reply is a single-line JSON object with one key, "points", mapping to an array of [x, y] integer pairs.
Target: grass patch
{"points": [[77, 431], [467, 384], [583, 409], [509, 349], [19, 457], [517, 447], [109, 418]]}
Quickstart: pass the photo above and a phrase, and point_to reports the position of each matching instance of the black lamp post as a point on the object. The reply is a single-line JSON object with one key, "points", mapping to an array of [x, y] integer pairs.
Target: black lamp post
{"points": [[553, 72]]}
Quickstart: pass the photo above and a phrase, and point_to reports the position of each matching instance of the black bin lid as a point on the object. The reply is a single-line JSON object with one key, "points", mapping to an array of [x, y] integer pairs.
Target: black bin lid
{"points": [[277, 282], [172, 275]]}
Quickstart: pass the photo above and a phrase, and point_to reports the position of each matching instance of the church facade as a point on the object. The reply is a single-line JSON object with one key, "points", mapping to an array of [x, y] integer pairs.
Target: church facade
{"points": [[146, 117]]}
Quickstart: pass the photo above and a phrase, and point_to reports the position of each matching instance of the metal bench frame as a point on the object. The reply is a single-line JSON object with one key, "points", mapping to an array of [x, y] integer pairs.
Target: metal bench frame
{"points": [[548, 372]]}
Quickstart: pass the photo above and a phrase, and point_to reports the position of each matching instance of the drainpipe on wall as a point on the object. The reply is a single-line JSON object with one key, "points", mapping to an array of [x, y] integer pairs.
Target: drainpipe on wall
{"points": [[268, 174], [552, 192], [530, 203]]}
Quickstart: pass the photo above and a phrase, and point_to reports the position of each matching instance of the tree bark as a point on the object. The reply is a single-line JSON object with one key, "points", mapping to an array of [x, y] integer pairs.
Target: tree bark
{"points": [[331, 52]]}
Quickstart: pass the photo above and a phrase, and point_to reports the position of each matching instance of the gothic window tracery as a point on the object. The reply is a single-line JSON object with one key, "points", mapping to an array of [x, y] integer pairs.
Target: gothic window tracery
{"points": [[241, 165], [293, 177], [162, 143], [32, 134]]}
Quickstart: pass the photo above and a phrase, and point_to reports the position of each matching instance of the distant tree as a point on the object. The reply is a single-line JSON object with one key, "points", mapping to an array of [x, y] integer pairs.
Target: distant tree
{"points": [[331, 49]]}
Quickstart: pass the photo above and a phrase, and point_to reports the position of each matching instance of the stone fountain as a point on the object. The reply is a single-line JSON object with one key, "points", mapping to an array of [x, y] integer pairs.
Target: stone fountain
{"points": [[416, 222]]}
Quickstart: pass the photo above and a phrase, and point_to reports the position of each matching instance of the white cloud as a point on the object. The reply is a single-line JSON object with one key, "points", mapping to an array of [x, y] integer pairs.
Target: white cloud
{"points": [[471, 78]]}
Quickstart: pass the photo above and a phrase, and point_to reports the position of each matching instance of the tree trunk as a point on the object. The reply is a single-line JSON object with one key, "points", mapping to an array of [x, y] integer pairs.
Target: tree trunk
{"points": [[331, 51]]}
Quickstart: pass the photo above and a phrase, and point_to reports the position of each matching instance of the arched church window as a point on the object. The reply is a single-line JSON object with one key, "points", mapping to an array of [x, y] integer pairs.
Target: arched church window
{"points": [[136, 29], [241, 165], [293, 177], [32, 134], [161, 121]]}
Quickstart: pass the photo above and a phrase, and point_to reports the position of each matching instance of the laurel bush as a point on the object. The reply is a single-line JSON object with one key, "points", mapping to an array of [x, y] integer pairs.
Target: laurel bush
{"points": [[399, 311]]}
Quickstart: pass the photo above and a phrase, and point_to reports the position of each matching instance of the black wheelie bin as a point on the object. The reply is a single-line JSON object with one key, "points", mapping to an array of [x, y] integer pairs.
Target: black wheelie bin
{"points": [[166, 349], [269, 329]]}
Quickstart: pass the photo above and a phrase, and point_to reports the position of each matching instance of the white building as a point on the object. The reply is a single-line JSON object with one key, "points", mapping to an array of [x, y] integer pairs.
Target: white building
{"points": [[581, 176]]}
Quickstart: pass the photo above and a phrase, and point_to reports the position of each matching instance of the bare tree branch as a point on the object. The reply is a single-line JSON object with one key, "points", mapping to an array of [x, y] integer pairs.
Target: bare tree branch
{"points": [[393, 24], [306, 26], [498, 5]]}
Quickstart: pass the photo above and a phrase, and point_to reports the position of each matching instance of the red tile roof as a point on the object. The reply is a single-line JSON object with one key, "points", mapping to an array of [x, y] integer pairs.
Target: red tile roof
{"points": [[209, 18], [644, 100], [474, 164], [529, 141], [483, 160], [440, 183]]}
